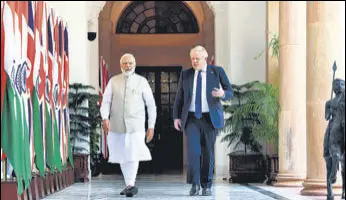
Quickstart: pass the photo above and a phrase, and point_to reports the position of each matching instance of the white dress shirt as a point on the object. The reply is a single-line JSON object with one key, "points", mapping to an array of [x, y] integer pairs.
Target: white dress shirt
{"points": [[205, 107]]}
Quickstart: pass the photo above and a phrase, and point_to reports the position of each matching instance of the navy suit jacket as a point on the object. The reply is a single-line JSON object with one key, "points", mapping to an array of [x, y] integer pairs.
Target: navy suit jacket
{"points": [[215, 76]]}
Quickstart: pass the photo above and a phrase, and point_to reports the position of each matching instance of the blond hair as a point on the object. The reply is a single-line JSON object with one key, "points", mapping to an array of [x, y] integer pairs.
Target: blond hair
{"points": [[199, 49]]}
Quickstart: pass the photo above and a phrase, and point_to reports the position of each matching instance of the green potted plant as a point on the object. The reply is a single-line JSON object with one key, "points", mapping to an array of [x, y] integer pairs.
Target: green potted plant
{"points": [[268, 128], [273, 45], [253, 117], [272, 157], [266, 106], [95, 121], [81, 127]]}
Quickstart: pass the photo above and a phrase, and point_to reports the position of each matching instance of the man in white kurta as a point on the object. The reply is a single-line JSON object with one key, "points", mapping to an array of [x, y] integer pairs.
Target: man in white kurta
{"points": [[123, 114]]}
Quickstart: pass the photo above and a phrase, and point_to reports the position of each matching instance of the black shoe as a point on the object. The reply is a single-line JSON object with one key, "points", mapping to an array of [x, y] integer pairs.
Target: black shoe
{"points": [[131, 191], [206, 192], [331, 197], [123, 192], [194, 190]]}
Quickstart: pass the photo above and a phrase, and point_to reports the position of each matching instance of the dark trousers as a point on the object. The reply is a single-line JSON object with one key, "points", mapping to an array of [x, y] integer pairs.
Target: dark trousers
{"points": [[200, 141]]}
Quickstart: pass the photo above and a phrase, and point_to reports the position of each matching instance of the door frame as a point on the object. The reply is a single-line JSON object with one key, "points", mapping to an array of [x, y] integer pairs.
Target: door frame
{"points": [[156, 70]]}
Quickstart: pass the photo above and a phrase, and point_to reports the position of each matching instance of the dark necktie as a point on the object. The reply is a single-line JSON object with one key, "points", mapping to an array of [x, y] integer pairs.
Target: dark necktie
{"points": [[198, 102]]}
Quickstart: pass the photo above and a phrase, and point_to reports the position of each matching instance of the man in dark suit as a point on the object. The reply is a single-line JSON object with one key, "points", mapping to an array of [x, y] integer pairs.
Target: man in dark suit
{"points": [[198, 112]]}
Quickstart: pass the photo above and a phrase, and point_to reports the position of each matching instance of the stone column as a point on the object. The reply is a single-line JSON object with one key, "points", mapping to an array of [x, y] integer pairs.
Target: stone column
{"points": [[323, 47], [272, 64], [292, 94]]}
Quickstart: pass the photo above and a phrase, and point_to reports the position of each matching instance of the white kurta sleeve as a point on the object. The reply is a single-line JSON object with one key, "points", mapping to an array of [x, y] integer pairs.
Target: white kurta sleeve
{"points": [[106, 101], [149, 101]]}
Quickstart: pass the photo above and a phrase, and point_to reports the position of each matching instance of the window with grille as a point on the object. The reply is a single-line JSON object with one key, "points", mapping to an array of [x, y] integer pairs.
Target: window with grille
{"points": [[163, 17]]}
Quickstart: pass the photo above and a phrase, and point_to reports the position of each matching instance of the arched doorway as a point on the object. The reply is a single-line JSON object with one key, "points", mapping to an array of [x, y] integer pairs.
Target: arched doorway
{"points": [[160, 34]]}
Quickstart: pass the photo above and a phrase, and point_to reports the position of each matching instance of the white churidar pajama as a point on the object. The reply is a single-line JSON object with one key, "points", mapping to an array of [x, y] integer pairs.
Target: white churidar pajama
{"points": [[129, 170]]}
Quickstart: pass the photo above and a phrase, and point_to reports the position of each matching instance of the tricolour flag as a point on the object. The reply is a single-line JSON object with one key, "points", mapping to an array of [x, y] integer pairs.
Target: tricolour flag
{"points": [[30, 54], [57, 92], [21, 11], [14, 132], [38, 100]]}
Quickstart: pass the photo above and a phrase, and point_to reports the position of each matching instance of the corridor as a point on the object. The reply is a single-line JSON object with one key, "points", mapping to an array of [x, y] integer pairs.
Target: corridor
{"points": [[108, 187]]}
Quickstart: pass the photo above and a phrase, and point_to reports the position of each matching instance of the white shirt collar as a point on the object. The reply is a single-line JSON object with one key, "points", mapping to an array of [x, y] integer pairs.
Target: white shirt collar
{"points": [[204, 69]]}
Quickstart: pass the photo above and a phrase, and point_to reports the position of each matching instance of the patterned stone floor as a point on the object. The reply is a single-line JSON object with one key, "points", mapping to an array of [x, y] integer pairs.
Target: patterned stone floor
{"points": [[108, 187]]}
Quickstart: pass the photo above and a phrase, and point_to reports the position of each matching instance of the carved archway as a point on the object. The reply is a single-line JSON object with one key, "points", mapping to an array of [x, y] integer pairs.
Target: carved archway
{"points": [[166, 48]]}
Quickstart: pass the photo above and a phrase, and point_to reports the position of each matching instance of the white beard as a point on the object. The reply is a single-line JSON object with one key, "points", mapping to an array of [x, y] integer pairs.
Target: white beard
{"points": [[128, 73]]}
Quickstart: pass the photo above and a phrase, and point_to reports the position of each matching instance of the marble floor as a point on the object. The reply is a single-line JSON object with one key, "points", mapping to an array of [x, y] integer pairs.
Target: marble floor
{"points": [[108, 187]]}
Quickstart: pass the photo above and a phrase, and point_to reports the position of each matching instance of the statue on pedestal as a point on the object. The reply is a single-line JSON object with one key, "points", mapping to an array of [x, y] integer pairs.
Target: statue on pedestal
{"points": [[334, 139]]}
